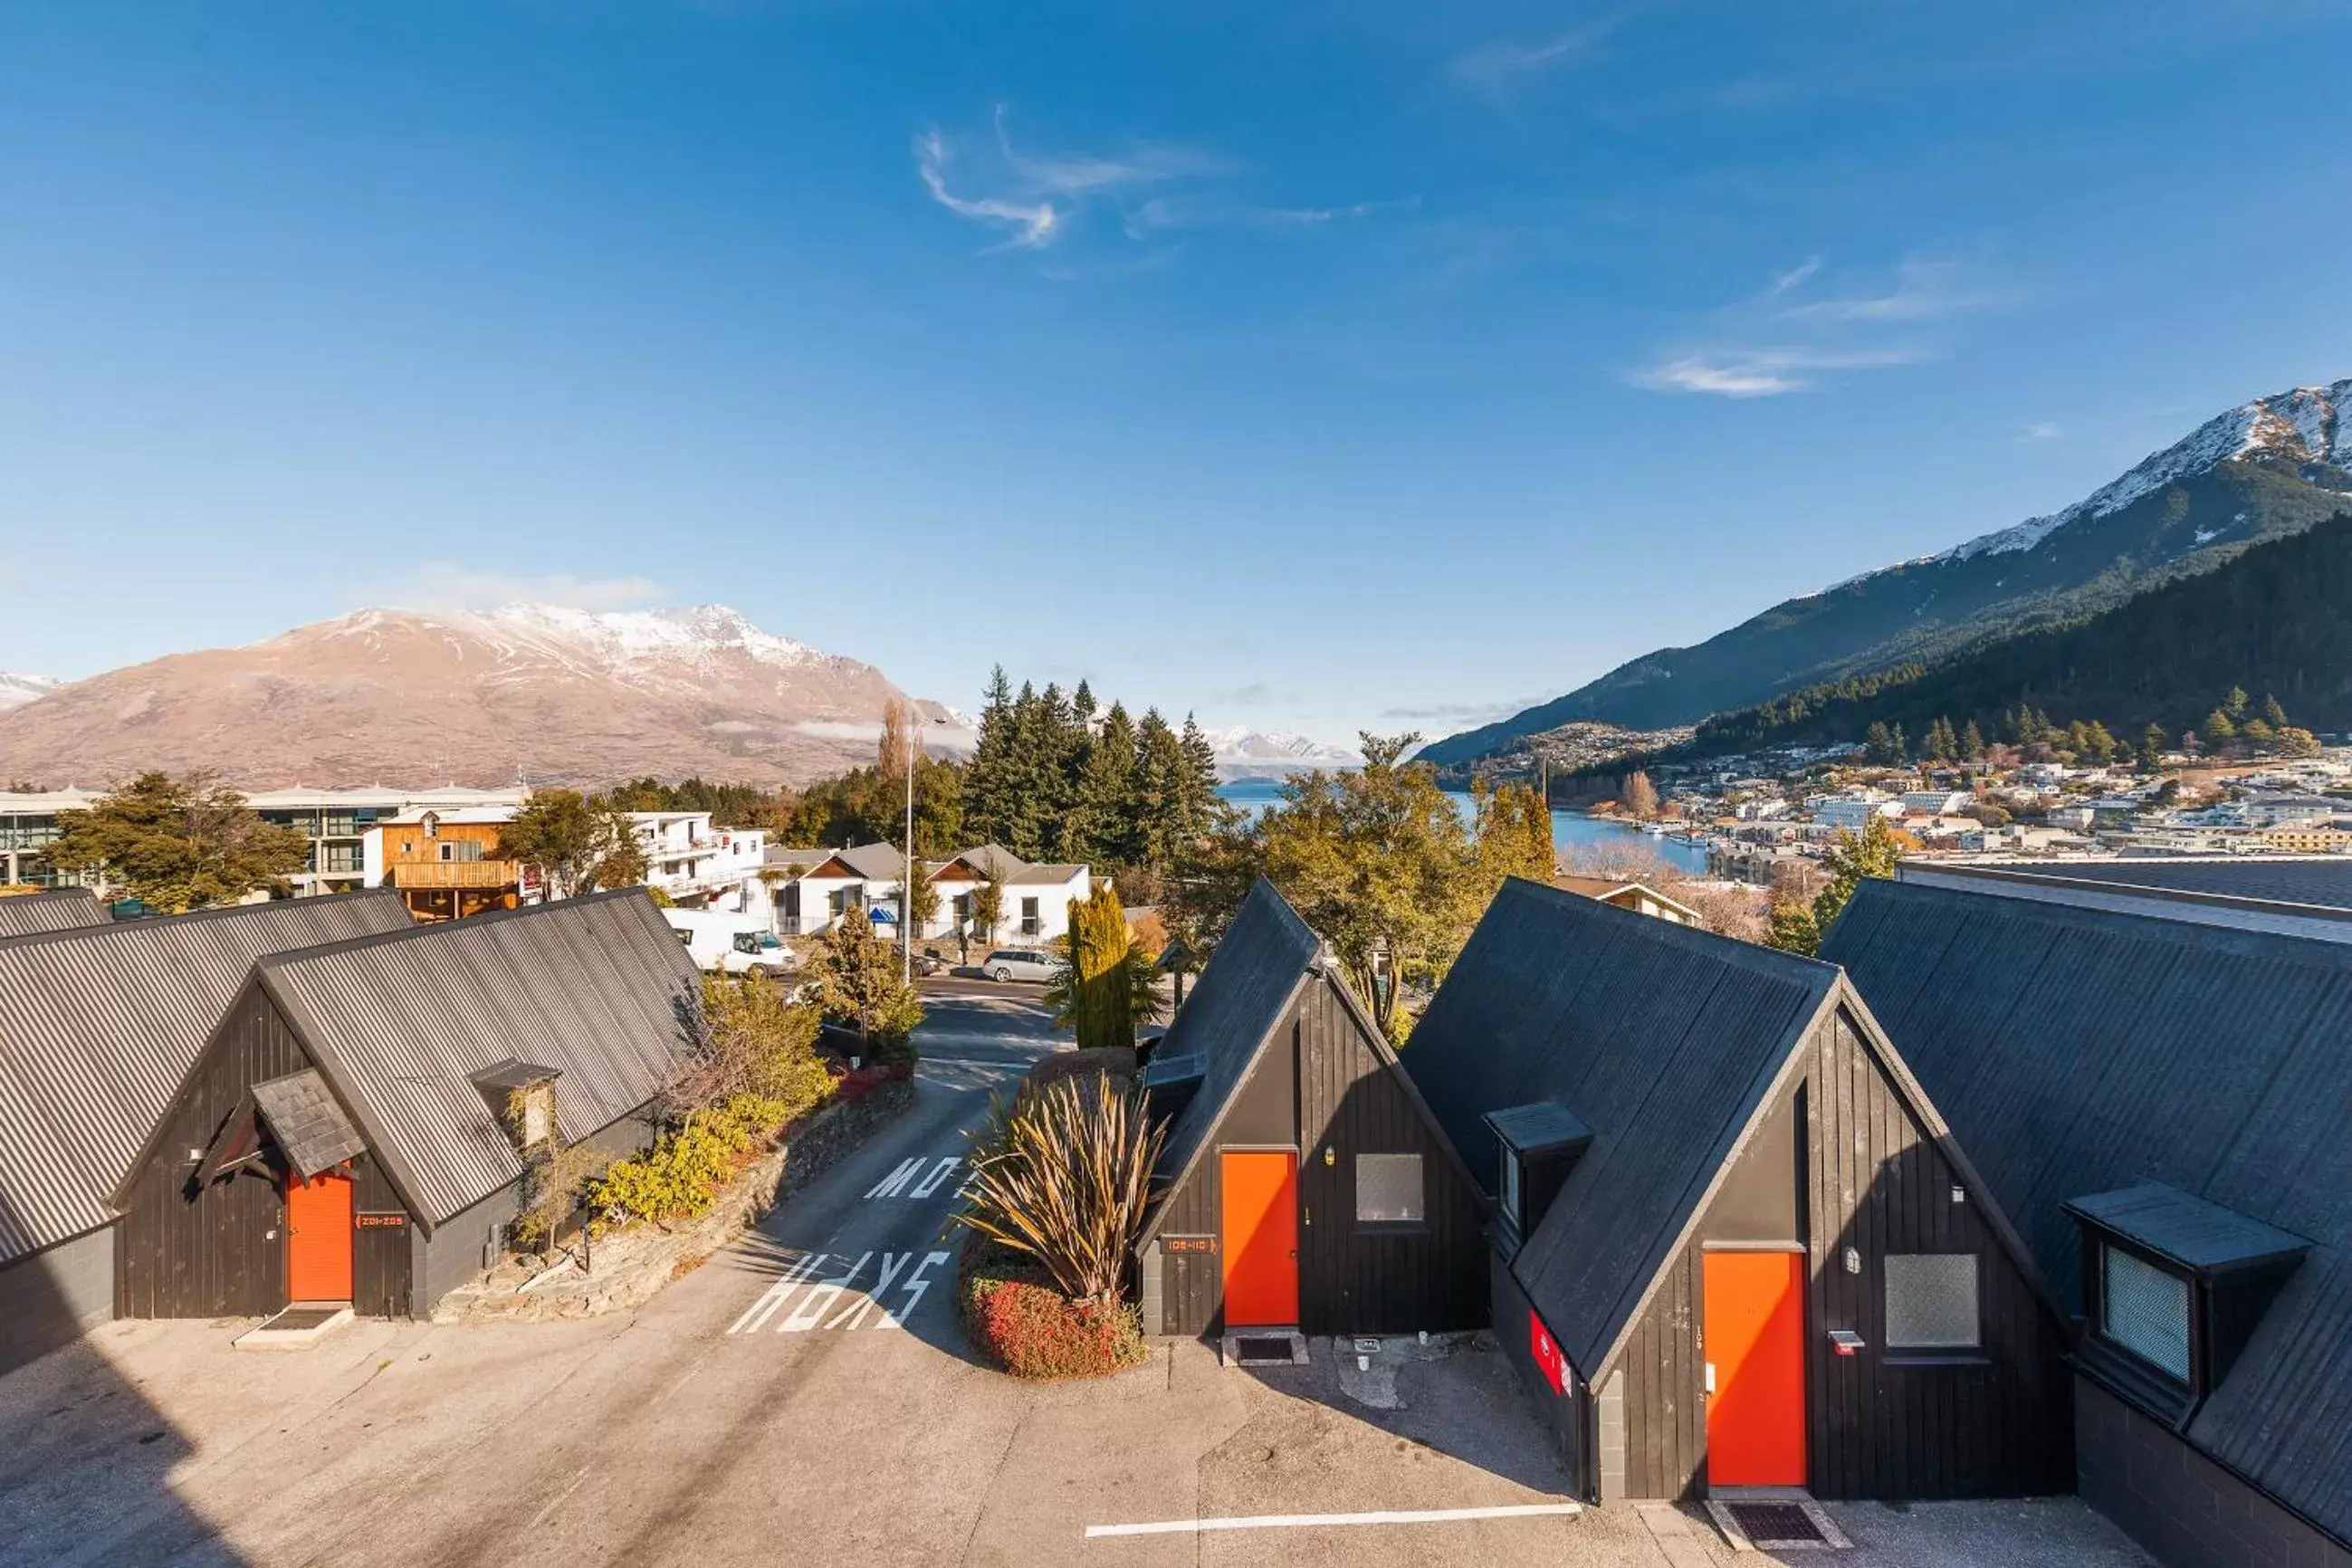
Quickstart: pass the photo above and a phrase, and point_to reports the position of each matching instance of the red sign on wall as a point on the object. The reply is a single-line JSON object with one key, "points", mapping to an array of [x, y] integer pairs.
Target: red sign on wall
{"points": [[1547, 1353]]}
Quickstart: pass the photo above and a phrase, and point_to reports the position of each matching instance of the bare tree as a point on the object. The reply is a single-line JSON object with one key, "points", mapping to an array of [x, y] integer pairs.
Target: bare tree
{"points": [[1641, 796]]}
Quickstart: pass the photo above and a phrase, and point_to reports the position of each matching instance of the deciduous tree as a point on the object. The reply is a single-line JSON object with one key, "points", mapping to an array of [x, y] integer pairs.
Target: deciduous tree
{"points": [[577, 843], [858, 983]]}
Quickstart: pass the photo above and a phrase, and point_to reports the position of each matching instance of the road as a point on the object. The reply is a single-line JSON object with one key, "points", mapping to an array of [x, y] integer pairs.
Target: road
{"points": [[806, 1398]]}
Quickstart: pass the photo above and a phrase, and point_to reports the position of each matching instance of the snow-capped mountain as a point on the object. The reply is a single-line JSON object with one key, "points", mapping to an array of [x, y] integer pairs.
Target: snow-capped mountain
{"points": [[15, 691], [2266, 468], [532, 691], [1243, 752]]}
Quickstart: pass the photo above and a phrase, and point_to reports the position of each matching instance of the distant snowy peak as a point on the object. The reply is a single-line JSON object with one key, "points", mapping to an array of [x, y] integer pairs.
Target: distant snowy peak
{"points": [[15, 691], [2302, 425], [621, 636], [1243, 751]]}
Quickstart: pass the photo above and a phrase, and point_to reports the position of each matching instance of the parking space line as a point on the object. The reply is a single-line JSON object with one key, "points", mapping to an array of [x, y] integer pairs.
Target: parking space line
{"points": [[1321, 1521]]}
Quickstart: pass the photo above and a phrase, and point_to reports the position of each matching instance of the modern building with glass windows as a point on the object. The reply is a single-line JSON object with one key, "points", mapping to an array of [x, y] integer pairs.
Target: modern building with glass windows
{"points": [[335, 821]]}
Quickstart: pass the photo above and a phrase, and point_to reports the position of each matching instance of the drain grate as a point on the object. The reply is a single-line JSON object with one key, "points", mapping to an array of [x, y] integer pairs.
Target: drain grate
{"points": [[1777, 1526], [1248, 1348]]}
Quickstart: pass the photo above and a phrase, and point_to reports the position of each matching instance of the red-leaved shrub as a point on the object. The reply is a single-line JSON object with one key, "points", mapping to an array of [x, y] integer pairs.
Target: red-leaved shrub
{"points": [[1020, 1321]]}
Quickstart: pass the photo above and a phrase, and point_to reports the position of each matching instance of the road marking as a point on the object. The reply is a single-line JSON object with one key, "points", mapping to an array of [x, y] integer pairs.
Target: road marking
{"points": [[892, 1185], [892, 1263], [916, 1285], [819, 1301], [1319, 1521], [760, 1311], [939, 1173]]}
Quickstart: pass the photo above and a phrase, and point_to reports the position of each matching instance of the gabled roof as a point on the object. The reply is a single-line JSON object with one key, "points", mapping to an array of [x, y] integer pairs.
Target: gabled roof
{"points": [[875, 862], [99, 1025], [1604, 889], [1243, 993], [59, 909], [1665, 1040], [2201, 1236], [1231, 1016], [2078, 1051], [2307, 896], [310, 1128], [598, 989]]}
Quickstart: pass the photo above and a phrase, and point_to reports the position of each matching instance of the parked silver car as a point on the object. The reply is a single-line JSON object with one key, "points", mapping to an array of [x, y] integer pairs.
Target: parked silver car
{"points": [[1019, 963]]}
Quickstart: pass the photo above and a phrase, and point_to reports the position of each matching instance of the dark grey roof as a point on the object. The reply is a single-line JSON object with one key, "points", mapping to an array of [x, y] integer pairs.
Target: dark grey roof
{"points": [[1539, 1128], [310, 1128], [597, 988], [2075, 1051], [1235, 1004], [1664, 1038], [2307, 896], [59, 909], [99, 1025], [2201, 1237]]}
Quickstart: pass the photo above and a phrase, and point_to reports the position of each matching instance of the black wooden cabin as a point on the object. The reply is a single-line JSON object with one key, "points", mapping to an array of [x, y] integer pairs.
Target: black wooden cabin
{"points": [[1304, 1186], [101, 1021], [357, 1128], [2163, 1101], [1735, 1243]]}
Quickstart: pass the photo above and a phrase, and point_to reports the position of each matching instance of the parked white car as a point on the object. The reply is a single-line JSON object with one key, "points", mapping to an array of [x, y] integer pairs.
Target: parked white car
{"points": [[1019, 963], [723, 941]]}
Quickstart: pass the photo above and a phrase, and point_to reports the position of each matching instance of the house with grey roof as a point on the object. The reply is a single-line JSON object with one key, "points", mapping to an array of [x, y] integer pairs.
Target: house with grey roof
{"points": [[358, 1128], [53, 908], [813, 888], [1734, 1244], [2160, 1096], [99, 1025]]}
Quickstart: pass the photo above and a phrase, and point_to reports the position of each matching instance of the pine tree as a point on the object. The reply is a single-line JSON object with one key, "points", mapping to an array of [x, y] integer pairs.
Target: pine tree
{"points": [[1158, 797], [1103, 987], [1101, 826], [2151, 749], [2235, 703], [2273, 713], [1901, 745], [989, 790], [1200, 797], [1972, 743]]}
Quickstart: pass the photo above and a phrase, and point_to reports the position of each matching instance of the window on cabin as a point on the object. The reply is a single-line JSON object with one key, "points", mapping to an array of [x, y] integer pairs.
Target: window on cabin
{"points": [[2145, 1310], [1510, 1188], [538, 1115], [1388, 1190], [1931, 1301]]}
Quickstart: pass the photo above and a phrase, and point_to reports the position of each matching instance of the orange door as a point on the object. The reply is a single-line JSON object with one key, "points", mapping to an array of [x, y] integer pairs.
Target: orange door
{"points": [[319, 1240], [1756, 1356], [1261, 1238]]}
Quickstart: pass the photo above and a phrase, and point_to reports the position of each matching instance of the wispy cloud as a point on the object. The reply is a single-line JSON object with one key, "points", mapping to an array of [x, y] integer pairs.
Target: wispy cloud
{"points": [[1792, 335], [1033, 223], [443, 586], [1256, 694], [1165, 214], [2040, 430], [1497, 66]]}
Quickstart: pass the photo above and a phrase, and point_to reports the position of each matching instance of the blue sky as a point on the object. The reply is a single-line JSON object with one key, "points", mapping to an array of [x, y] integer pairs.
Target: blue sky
{"points": [[1311, 366]]}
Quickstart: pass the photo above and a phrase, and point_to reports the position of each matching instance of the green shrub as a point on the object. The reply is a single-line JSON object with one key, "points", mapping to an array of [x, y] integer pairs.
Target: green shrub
{"points": [[1018, 1320]]}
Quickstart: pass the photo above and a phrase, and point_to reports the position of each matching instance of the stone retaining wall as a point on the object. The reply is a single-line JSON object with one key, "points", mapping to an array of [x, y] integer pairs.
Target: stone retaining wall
{"points": [[631, 1266]]}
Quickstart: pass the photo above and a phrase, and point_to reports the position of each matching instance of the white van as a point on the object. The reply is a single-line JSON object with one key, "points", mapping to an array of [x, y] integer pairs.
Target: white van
{"points": [[724, 942]]}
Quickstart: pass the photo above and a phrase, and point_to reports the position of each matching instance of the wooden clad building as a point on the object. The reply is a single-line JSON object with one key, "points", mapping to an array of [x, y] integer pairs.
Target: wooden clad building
{"points": [[100, 1023], [1735, 1243], [1305, 1186], [2161, 1096], [356, 1130]]}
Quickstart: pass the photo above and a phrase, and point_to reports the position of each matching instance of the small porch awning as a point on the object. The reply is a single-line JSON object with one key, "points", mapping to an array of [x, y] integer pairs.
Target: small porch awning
{"points": [[308, 1127], [2190, 1232]]}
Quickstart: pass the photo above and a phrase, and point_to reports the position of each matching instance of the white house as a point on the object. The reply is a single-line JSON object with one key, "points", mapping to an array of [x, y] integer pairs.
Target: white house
{"points": [[1934, 802], [814, 888], [1853, 813]]}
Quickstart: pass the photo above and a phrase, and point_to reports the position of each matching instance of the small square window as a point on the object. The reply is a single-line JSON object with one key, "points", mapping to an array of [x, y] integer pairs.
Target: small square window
{"points": [[2145, 1310], [1388, 1190], [1931, 1301]]}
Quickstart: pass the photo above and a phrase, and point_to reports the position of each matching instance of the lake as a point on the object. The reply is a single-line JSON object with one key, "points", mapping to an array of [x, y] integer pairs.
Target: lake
{"points": [[1571, 830]]}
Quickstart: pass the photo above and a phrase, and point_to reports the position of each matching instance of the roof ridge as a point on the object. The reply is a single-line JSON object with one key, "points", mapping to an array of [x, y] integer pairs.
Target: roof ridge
{"points": [[210, 913]]}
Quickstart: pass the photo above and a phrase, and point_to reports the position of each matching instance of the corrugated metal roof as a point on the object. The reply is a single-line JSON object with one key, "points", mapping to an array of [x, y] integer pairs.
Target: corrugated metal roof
{"points": [[2075, 1051], [2321, 881], [1238, 1000], [99, 1025], [59, 909], [597, 988], [1663, 1040], [2267, 901], [1539, 1128]]}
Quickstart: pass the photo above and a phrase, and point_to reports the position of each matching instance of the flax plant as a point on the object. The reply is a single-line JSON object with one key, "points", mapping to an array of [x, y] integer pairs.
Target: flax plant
{"points": [[1064, 1175]]}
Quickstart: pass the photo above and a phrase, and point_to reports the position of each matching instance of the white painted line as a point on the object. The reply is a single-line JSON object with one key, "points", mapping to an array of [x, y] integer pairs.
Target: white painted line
{"points": [[1324, 1520], [939, 1173], [760, 1311], [892, 1185], [819, 1300], [915, 1286], [893, 1263]]}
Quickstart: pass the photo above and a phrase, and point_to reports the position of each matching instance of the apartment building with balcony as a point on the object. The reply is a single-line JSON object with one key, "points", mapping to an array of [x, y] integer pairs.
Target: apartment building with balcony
{"points": [[701, 865]]}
